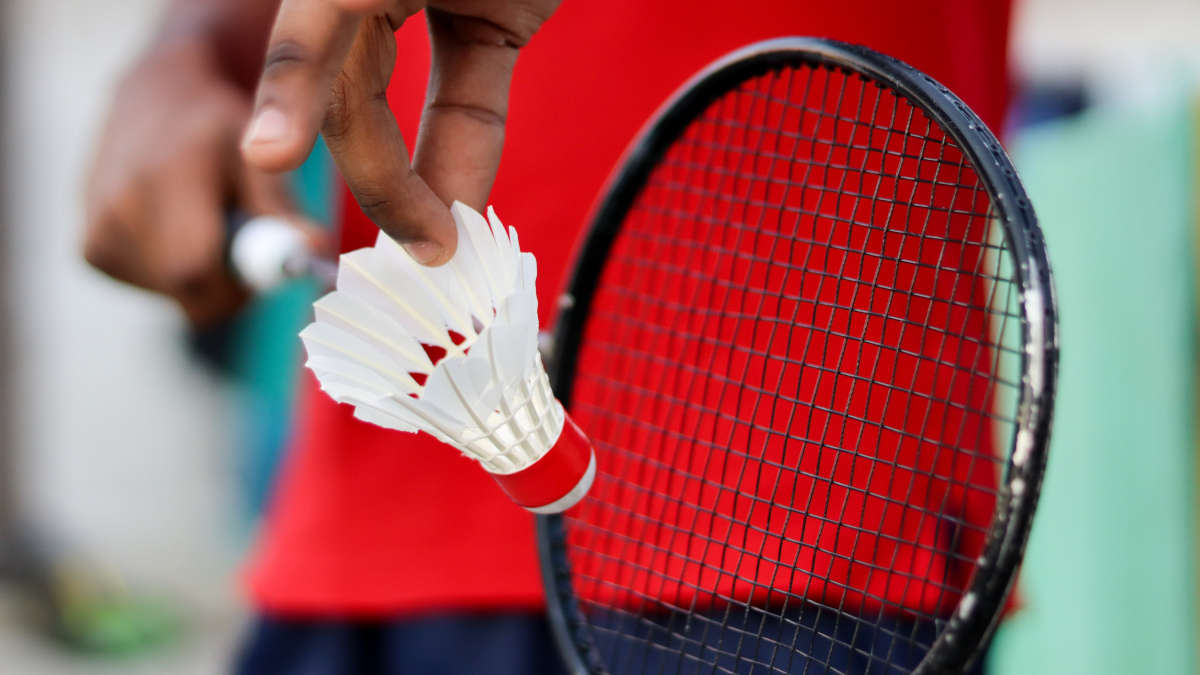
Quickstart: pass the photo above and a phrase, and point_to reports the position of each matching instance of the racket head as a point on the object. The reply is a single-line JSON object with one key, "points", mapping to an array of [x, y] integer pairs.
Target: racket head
{"points": [[1009, 246]]}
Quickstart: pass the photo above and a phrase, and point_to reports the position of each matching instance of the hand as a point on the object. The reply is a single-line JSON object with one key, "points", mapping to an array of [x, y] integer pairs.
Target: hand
{"points": [[167, 171], [327, 69]]}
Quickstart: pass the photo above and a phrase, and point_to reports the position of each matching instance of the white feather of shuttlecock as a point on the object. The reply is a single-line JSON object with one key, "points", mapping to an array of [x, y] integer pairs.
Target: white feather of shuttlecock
{"points": [[489, 395]]}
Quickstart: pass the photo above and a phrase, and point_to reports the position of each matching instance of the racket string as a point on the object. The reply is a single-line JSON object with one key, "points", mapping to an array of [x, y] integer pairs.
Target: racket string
{"points": [[690, 538], [627, 334], [793, 383]]}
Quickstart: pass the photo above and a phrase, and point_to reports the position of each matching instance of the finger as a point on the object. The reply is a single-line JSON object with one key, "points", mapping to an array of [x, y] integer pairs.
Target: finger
{"points": [[367, 145], [185, 228], [308, 43], [462, 127], [110, 244], [187, 242]]}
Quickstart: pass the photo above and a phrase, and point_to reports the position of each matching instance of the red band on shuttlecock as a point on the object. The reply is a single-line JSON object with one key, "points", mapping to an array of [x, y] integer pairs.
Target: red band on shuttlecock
{"points": [[555, 475]]}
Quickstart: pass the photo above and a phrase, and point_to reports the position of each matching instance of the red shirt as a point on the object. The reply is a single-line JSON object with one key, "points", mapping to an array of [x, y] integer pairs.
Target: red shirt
{"points": [[370, 521]]}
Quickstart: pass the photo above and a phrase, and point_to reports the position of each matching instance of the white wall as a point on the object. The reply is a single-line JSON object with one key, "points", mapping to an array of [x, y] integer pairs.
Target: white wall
{"points": [[123, 444]]}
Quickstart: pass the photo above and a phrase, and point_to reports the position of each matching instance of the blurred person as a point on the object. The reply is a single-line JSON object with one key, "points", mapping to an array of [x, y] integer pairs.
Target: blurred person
{"points": [[386, 553]]}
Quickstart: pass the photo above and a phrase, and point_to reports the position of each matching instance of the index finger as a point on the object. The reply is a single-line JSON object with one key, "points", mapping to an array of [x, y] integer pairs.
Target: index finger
{"points": [[308, 43]]}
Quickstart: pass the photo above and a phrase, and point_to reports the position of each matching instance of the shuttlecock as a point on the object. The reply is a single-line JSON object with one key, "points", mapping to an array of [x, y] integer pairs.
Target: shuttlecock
{"points": [[452, 351]]}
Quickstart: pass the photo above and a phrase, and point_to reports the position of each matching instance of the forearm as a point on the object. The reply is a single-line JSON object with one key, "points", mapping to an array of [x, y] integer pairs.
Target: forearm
{"points": [[233, 32]]}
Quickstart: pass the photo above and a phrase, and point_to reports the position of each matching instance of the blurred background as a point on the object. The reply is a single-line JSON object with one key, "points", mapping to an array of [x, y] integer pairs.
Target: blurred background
{"points": [[134, 457]]}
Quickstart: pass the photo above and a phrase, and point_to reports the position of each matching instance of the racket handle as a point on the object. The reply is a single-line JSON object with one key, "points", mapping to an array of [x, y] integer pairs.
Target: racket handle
{"points": [[266, 251]]}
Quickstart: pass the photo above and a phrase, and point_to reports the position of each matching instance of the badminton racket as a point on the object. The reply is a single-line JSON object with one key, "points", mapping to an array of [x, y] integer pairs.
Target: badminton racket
{"points": [[811, 333]]}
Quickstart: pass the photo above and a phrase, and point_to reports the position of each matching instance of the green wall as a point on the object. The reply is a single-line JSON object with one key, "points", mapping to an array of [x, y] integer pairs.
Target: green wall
{"points": [[1108, 583]]}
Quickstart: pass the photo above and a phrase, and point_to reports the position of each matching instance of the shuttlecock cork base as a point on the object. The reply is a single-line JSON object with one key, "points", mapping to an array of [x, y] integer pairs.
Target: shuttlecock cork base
{"points": [[452, 351], [539, 486]]}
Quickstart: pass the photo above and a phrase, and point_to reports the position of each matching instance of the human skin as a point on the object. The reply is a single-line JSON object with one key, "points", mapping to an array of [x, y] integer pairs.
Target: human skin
{"points": [[203, 122]]}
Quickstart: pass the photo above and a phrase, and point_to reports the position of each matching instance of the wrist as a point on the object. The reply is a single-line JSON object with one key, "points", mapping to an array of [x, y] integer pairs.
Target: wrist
{"points": [[229, 35], [172, 61]]}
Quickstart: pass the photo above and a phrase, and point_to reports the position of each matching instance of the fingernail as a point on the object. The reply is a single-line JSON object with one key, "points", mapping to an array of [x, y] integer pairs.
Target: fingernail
{"points": [[269, 126], [426, 252]]}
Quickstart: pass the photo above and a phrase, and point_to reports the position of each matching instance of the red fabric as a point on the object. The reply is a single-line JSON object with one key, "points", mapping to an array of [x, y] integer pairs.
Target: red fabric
{"points": [[367, 521]]}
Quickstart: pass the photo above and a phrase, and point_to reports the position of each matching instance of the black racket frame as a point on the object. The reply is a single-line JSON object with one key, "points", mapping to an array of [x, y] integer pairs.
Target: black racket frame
{"points": [[971, 624]]}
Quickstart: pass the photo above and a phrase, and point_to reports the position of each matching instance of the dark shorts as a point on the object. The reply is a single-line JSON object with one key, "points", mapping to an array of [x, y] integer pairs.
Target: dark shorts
{"points": [[521, 644], [483, 644]]}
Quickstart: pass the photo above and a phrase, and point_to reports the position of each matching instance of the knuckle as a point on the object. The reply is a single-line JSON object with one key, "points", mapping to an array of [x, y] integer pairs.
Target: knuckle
{"points": [[375, 203], [478, 31], [336, 124], [481, 114], [108, 211], [97, 253], [100, 220], [101, 246], [525, 23], [187, 270], [286, 55]]}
